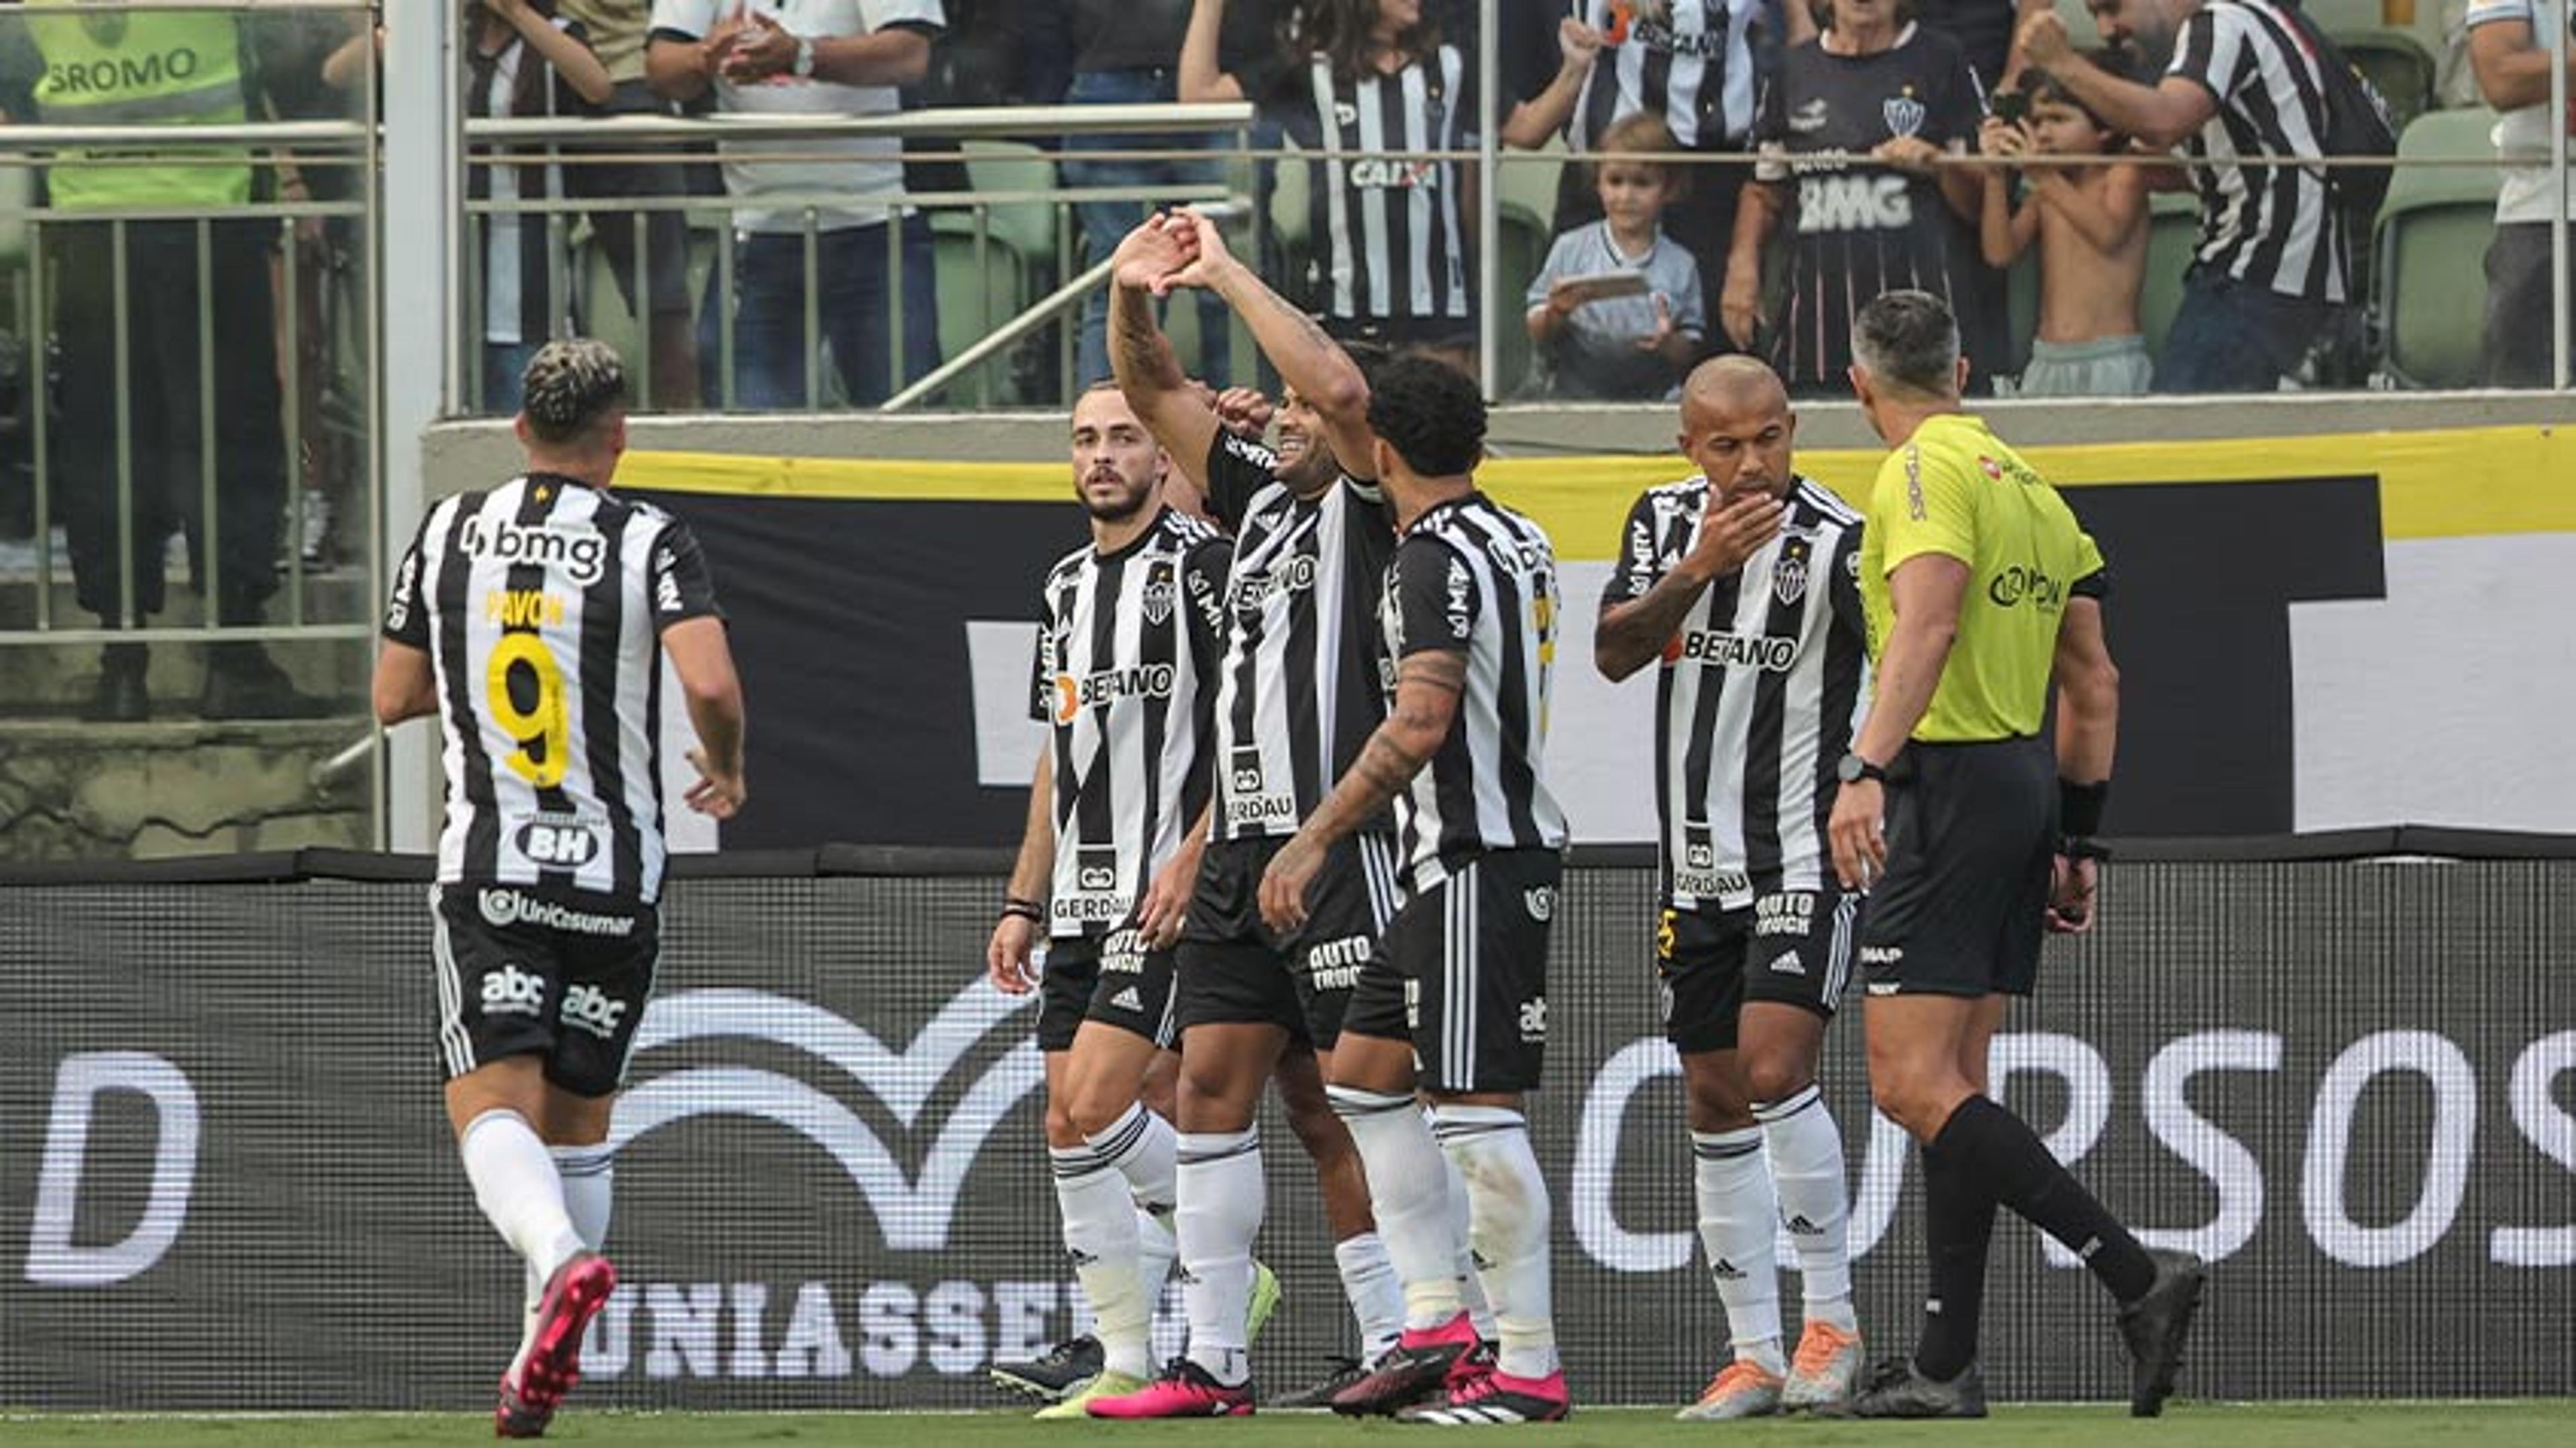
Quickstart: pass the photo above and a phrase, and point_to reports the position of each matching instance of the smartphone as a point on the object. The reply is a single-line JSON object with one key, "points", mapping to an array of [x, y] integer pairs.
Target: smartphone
{"points": [[2011, 106]]}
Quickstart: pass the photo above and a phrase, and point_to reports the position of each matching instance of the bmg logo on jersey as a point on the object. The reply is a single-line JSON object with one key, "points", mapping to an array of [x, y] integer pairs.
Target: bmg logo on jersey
{"points": [[511, 991], [592, 1009], [575, 548]]}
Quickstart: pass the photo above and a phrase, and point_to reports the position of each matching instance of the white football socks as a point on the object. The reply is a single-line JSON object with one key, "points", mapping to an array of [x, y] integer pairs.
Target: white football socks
{"points": [[1738, 1214], [1409, 1195], [1508, 1204], [1376, 1293], [516, 1184], [1100, 1233], [1223, 1194], [1806, 1151]]}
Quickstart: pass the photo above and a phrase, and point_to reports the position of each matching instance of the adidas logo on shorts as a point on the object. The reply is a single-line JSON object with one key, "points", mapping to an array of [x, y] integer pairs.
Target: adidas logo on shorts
{"points": [[1128, 1000], [1788, 964]]}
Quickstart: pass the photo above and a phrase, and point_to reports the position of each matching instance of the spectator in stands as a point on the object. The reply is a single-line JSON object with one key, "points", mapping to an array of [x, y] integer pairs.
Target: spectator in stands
{"points": [[2512, 67], [1378, 88], [812, 58], [2090, 224], [1616, 311], [1874, 85], [651, 270], [2272, 266], [1127, 52], [132, 323], [1698, 66], [521, 59]]}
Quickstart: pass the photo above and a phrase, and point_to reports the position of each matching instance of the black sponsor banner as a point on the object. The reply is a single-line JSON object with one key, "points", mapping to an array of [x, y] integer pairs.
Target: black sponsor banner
{"points": [[853, 621], [225, 1179]]}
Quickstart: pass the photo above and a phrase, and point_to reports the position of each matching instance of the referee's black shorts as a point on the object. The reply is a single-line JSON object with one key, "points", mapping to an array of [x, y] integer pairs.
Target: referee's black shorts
{"points": [[1970, 838]]}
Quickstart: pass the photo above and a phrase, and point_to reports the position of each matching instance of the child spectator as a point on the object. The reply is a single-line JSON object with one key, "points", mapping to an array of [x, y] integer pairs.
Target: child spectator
{"points": [[2091, 226], [1598, 333]]}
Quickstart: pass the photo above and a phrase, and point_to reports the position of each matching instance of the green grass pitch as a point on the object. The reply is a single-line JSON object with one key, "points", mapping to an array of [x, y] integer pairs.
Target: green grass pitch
{"points": [[2193, 1425]]}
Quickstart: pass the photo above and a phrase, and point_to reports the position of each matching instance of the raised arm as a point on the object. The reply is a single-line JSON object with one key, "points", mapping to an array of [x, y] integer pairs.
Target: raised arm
{"points": [[2003, 234], [1308, 359], [1202, 78], [2163, 115], [1543, 115], [1141, 357]]}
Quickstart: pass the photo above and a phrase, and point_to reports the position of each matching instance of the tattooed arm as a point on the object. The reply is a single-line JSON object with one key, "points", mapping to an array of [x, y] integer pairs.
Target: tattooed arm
{"points": [[1427, 688]]}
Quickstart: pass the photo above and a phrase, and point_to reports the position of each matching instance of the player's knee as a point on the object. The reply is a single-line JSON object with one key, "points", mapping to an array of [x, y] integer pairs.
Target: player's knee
{"points": [[1061, 1133], [1211, 1098], [1772, 1076], [1919, 1102], [1712, 1099]]}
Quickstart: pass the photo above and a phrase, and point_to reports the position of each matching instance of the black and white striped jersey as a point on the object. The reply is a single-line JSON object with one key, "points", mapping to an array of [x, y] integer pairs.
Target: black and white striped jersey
{"points": [[1473, 577], [1386, 221], [2267, 226], [1760, 691], [542, 604], [1694, 65], [1299, 692], [1127, 649]]}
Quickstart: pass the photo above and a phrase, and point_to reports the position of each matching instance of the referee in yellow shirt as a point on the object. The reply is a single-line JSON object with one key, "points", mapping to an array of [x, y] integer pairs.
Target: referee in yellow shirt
{"points": [[1972, 835]]}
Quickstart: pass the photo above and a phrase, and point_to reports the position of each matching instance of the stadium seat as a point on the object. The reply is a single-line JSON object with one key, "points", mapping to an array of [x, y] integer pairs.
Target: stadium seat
{"points": [[1528, 181], [977, 294], [2173, 226], [2430, 281], [1028, 228], [2398, 64]]}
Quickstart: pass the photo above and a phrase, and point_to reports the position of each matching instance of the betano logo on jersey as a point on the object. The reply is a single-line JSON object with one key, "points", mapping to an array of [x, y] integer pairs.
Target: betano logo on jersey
{"points": [[1290, 575], [1722, 650], [575, 548], [1100, 690]]}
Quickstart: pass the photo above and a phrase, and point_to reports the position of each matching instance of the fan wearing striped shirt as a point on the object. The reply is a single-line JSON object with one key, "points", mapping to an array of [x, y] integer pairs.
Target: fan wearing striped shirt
{"points": [[2273, 266], [1739, 583]]}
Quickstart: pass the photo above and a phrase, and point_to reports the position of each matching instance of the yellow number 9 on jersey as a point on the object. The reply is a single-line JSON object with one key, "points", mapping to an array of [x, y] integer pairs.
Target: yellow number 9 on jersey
{"points": [[544, 730]]}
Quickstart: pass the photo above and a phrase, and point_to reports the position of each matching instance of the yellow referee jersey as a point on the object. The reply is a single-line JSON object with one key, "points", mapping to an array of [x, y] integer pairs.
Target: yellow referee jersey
{"points": [[1956, 489]]}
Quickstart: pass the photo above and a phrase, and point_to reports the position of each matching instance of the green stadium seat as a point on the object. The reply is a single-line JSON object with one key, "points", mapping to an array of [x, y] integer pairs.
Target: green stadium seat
{"points": [[1028, 228], [1528, 180], [977, 294], [2430, 282]]}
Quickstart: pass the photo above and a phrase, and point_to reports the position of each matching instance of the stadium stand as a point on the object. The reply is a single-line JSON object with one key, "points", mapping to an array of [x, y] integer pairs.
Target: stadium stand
{"points": [[2429, 288]]}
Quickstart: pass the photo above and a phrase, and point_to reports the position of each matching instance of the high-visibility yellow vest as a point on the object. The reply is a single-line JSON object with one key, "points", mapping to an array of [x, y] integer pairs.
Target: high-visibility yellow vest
{"points": [[141, 68]]}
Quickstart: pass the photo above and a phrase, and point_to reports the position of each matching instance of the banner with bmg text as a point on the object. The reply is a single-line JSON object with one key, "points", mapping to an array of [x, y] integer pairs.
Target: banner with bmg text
{"points": [[225, 1180]]}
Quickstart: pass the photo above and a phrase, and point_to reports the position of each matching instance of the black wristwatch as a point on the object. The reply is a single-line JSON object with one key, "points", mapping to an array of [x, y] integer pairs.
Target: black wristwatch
{"points": [[1853, 769]]}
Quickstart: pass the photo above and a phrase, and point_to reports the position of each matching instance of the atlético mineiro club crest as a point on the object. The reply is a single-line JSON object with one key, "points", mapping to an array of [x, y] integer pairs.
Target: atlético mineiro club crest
{"points": [[1789, 579], [1158, 595], [1903, 113]]}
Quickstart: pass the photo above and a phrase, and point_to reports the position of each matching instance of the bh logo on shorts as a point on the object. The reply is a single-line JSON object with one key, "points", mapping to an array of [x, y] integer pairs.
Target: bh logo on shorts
{"points": [[511, 991], [590, 1008]]}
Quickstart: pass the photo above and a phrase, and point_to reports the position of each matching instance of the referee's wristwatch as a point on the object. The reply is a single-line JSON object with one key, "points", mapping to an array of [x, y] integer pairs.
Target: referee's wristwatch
{"points": [[1852, 769]]}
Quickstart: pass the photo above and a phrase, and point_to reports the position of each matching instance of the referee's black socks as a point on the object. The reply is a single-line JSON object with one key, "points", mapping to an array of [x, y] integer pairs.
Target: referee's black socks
{"points": [[1986, 1142], [1958, 1222]]}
